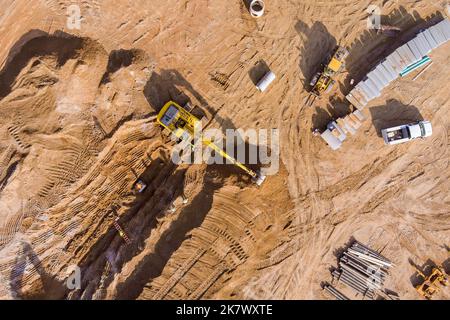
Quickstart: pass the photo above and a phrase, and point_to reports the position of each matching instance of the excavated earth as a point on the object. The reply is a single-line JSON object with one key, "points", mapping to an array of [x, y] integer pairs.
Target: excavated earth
{"points": [[78, 129]]}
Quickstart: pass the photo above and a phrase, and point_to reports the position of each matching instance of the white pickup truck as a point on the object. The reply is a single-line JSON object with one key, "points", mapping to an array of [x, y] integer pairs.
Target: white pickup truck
{"points": [[407, 132]]}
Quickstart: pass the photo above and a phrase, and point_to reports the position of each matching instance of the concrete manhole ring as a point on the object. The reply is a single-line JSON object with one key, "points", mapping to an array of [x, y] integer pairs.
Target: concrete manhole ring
{"points": [[257, 8]]}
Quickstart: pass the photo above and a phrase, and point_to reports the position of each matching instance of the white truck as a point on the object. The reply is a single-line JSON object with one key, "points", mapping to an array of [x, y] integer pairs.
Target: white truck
{"points": [[407, 132]]}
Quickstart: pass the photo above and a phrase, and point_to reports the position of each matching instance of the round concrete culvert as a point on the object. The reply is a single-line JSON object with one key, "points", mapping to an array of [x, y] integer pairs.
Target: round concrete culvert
{"points": [[257, 8]]}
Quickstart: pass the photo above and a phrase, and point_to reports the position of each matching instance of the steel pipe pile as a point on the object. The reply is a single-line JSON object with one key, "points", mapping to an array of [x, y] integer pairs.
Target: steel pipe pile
{"points": [[362, 269], [344, 278]]}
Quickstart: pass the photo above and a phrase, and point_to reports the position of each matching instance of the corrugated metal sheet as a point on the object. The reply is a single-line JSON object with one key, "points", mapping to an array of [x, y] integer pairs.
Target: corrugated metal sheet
{"points": [[369, 87], [396, 62], [374, 89], [387, 65], [442, 33], [357, 98], [377, 75], [363, 92], [373, 81], [390, 68], [349, 127], [354, 121], [342, 135], [415, 50], [424, 45], [430, 39], [386, 73], [345, 126], [399, 59], [444, 26], [437, 35], [360, 95], [370, 94], [359, 115], [380, 73], [366, 93], [355, 102], [332, 141], [407, 55]]}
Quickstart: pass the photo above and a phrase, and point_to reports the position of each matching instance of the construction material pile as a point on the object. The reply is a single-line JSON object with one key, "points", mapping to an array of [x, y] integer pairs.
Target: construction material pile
{"points": [[337, 131], [401, 62], [335, 292], [362, 269]]}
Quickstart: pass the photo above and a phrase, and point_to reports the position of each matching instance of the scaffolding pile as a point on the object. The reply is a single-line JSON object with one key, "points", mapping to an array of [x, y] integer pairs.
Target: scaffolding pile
{"points": [[363, 270]]}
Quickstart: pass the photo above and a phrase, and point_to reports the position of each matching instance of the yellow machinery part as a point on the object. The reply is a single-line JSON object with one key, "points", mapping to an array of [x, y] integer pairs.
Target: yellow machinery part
{"points": [[335, 65]]}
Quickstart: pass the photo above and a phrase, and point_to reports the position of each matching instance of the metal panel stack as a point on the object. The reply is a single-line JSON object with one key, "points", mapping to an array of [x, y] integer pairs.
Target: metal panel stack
{"points": [[363, 270], [402, 61]]}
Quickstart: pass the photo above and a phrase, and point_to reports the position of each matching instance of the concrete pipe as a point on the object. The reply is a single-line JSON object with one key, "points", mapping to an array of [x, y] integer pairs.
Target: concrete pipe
{"points": [[266, 81], [257, 8]]}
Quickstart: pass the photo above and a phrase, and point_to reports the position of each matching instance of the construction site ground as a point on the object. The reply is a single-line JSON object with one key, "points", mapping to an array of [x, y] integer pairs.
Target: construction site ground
{"points": [[77, 129]]}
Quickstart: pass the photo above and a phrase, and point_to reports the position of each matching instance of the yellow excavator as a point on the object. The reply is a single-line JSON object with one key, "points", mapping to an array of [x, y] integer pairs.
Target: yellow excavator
{"points": [[430, 284], [323, 81], [182, 124]]}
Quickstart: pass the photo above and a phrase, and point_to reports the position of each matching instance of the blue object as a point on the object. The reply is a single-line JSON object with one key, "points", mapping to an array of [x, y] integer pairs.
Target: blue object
{"points": [[415, 66]]}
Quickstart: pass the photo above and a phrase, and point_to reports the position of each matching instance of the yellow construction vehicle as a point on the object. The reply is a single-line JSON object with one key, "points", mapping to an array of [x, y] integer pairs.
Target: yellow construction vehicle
{"points": [[430, 284], [323, 81], [182, 124], [140, 186]]}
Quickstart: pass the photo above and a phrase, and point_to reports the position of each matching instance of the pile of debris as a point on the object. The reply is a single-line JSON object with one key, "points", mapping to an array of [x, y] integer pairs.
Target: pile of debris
{"points": [[363, 270]]}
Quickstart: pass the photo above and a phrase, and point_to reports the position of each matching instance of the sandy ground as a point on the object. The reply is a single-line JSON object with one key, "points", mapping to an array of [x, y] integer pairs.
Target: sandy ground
{"points": [[77, 129]]}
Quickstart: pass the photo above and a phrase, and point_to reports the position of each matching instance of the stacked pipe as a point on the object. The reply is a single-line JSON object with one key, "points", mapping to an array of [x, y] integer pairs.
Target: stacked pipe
{"points": [[335, 292], [362, 269]]}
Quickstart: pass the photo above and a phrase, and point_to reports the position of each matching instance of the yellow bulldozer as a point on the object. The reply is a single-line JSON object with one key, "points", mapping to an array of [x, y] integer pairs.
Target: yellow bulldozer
{"points": [[430, 285], [323, 81]]}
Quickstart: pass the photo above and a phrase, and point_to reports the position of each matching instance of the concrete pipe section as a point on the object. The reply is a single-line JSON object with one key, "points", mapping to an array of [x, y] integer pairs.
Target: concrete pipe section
{"points": [[257, 8], [264, 83]]}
